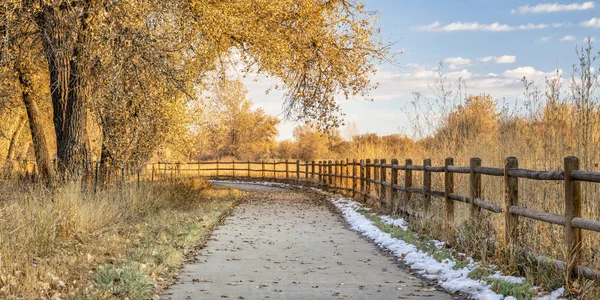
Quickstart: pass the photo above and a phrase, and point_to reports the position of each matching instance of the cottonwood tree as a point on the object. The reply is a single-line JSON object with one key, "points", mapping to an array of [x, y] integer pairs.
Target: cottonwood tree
{"points": [[22, 74], [235, 129], [318, 49]]}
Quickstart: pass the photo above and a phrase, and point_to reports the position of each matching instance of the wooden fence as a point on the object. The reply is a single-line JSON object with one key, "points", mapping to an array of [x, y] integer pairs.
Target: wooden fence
{"points": [[368, 180]]}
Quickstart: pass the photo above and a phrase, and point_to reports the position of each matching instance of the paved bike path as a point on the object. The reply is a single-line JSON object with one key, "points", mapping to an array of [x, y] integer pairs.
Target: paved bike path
{"points": [[289, 244]]}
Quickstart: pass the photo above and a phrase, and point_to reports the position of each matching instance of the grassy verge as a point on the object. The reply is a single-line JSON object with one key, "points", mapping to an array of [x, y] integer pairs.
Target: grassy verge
{"points": [[115, 244]]}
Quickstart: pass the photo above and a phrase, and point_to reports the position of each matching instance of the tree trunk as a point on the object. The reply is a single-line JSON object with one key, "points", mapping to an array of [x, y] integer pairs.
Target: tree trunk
{"points": [[62, 52], [38, 136], [8, 163]]}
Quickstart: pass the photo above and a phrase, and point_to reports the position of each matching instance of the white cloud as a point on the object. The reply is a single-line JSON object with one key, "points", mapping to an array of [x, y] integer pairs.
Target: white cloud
{"points": [[553, 7], [456, 62], [529, 72], [506, 59], [543, 40], [593, 22], [476, 26], [486, 59], [568, 38]]}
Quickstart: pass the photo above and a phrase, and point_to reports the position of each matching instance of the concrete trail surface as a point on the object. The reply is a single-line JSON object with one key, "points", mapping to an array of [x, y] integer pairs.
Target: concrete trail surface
{"points": [[291, 244]]}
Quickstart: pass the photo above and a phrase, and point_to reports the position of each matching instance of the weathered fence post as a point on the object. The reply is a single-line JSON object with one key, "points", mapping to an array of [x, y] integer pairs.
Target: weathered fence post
{"points": [[407, 184], [138, 179], [474, 186], [297, 170], [165, 177], [354, 181], [249, 170], [393, 191], [274, 170], [376, 177], [329, 173], [312, 171], [335, 174], [572, 210], [511, 198], [382, 187], [320, 175], [448, 189], [263, 169], [426, 187], [287, 170], [347, 182], [306, 169], [367, 180], [339, 175], [362, 178]]}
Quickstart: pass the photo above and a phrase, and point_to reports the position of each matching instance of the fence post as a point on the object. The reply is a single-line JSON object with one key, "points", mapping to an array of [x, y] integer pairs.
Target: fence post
{"points": [[427, 187], [474, 186], [306, 169], [347, 179], [329, 173], [511, 198], [263, 169], [361, 172], [287, 170], [274, 170], [297, 170], [233, 169], [199, 169], [393, 191], [448, 189], [319, 176], [341, 175], [407, 185], [354, 181], [165, 177], [335, 174], [312, 171], [376, 177], [152, 176], [249, 169], [138, 179], [367, 180], [96, 177], [572, 210], [382, 187]]}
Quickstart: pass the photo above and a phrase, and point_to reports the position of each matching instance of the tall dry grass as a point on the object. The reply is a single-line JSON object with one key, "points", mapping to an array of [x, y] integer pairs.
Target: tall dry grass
{"points": [[50, 242]]}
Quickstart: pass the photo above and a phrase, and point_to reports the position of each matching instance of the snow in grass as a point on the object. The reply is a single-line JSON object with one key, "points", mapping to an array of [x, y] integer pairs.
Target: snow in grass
{"points": [[427, 266]]}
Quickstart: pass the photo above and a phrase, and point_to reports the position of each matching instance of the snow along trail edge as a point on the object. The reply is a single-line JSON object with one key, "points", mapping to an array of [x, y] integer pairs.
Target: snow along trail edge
{"points": [[428, 267]]}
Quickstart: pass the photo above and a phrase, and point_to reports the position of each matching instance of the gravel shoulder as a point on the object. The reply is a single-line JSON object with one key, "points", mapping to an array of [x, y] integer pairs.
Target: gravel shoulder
{"points": [[291, 244]]}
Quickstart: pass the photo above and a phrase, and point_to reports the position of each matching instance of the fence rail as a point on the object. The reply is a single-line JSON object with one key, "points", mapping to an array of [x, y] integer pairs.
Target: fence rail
{"points": [[368, 180]]}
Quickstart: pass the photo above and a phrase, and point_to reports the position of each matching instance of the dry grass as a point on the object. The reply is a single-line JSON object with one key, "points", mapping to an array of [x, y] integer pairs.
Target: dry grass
{"points": [[58, 244]]}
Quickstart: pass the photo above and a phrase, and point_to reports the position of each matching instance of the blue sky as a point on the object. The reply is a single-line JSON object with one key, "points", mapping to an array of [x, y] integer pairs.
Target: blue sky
{"points": [[489, 43]]}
